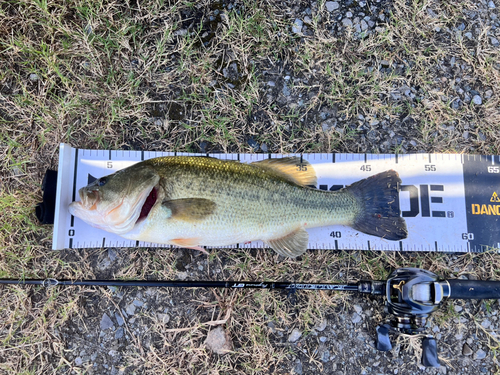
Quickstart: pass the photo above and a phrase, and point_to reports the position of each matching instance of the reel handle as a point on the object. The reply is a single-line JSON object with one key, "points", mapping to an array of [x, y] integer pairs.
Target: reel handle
{"points": [[473, 289]]}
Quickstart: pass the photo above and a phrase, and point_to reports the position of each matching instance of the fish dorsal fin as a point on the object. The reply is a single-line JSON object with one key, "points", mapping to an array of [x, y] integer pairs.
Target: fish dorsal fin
{"points": [[291, 168], [292, 245], [189, 209]]}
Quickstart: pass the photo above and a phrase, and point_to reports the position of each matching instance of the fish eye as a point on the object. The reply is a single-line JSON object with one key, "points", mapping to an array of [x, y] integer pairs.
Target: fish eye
{"points": [[102, 181]]}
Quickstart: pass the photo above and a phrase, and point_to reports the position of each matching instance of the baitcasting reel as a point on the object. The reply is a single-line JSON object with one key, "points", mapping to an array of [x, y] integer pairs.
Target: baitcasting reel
{"points": [[412, 294]]}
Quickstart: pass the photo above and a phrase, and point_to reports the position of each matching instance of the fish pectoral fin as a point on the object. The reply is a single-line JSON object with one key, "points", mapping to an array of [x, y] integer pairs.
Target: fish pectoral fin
{"points": [[291, 168], [292, 245], [189, 209]]}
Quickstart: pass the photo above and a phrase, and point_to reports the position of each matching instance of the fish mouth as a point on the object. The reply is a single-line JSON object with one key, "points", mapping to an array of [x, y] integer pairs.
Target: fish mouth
{"points": [[148, 204], [113, 218]]}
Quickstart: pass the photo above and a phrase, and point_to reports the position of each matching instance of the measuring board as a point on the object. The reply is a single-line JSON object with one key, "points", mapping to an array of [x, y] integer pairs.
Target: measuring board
{"points": [[451, 202]]}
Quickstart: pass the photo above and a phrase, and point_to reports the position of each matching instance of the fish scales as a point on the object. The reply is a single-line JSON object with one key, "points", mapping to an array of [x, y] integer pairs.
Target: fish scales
{"points": [[252, 203]]}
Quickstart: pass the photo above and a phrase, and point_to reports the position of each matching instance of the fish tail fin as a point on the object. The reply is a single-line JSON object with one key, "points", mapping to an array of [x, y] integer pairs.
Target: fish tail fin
{"points": [[379, 201]]}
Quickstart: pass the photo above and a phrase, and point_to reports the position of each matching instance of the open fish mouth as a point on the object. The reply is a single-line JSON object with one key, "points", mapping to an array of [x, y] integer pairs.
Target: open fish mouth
{"points": [[120, 217], [148, 204]]}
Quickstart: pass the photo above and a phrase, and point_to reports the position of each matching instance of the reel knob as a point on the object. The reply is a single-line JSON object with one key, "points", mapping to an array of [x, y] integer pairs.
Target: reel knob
{"points": [[383, 340], [429, 352]]}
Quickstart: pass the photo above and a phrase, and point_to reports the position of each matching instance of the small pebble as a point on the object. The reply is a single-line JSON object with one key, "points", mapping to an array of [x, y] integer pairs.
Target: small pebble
{"points": [[33, 77], [458, 308], [356, 318], [106, 322], [385, 64], [252, 143], [119, 319], [491, 4], [298, 367], [321, 326], [219, 341], [119, 333], [130, 309], [476, 99], [466, 350], [180, 32], [347, 22], [78, 361], [286, 90], [272, 327], [480, 354], [297, 26], [332, 5], [164, 318], [494, 41], [295, 335]]}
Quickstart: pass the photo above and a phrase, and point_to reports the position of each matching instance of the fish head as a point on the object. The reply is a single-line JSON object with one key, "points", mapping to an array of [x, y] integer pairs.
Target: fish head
{"points": [[115, 203]]}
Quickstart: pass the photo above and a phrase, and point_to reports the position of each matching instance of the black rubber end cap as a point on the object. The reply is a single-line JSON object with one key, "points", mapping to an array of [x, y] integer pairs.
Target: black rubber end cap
{"points": [[45, 210]]}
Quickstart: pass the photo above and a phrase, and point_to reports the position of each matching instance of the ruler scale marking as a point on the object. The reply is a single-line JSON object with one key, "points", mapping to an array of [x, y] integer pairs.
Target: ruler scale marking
{"points": [[442, 206]]}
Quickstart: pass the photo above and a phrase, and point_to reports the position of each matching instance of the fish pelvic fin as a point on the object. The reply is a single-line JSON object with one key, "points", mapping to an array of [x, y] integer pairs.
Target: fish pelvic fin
{"points": [[189, 243], [292, 245], [190, 209], [292, 169], [378, 199]]}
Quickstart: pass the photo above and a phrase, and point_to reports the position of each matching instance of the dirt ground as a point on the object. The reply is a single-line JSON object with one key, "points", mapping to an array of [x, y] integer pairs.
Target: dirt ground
{"points": [[225, 76]]}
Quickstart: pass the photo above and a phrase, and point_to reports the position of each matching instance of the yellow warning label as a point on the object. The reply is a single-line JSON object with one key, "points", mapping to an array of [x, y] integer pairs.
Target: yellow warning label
{"points": [[495, 198], [483, 209]]}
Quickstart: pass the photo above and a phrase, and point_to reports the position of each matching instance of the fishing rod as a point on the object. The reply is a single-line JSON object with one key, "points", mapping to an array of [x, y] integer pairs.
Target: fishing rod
{"points": [[411, 295]]}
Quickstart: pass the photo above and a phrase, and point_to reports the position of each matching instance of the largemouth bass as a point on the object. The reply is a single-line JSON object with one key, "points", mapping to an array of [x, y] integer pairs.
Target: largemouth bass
{"points": [[195, 201]]}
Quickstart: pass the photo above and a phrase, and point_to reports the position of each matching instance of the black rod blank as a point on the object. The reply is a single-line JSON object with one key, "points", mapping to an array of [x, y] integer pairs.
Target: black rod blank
{"points": [[188, 284]]}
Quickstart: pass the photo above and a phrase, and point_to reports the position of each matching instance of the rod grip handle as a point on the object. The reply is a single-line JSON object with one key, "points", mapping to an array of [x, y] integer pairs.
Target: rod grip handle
{"points": [[474, 289]]}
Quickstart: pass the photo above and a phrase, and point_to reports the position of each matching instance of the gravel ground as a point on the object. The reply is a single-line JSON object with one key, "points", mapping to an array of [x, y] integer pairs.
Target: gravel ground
{"points": [[341, 341], [293, 100]]}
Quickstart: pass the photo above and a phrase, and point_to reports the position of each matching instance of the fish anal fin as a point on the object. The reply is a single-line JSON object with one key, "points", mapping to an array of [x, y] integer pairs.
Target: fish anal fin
{"points": [[291, 168], [292, 245], [190, 209]]}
